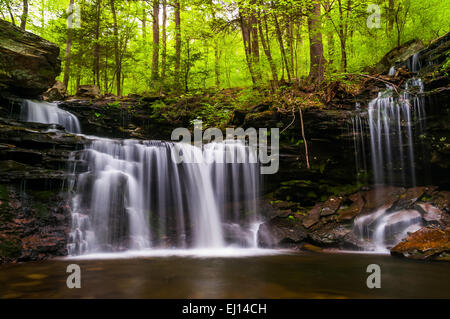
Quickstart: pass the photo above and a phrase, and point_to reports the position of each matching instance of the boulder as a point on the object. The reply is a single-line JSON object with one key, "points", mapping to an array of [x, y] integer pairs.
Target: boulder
{"points": [[281, 231], [88, 91], [57, 92], [28, 63], [313, 216], [331, 206], [426, 243], [354, 209]]}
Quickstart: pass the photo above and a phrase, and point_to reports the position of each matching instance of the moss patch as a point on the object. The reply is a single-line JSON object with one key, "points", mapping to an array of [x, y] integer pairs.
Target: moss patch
{"points": [[10, 247]]}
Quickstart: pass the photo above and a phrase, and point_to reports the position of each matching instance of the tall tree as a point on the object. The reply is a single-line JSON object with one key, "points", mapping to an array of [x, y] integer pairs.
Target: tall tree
{"points": [[118, 71], [68, 44], [318, 62], [24, 17], [177, 13], [266, 48], [97, 43], [164, 41], [155, 58]]}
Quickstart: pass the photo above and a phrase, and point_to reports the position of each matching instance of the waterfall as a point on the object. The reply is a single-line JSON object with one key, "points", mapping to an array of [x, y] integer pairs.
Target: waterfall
{"points": [[392, 71], [48, 113], [390, 129], [134, 196], [384, 228]]}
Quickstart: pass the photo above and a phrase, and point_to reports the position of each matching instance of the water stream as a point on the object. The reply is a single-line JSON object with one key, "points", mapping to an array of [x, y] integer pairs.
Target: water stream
{"points": [[385, 136]]}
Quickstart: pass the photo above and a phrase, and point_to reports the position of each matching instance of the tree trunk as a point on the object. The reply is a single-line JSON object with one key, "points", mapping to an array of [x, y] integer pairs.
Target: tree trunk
{"points": [[11, 15], [316, 47], [144, 24], [97, 44], [155, 59], [217, 62], [24, 17], [254, 42], [164, 41], [268, 54], [246, 38], [116, 50], [391, 15], [177, 43], [280, 41], [68, 45]]}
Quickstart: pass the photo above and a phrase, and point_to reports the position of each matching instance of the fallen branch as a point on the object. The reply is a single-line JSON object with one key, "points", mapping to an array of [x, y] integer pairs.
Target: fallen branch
{"points": [[304, 138]]}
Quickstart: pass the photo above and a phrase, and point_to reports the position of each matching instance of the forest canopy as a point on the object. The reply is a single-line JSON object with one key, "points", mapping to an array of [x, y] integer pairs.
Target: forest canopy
{"points": [[148, 46]]}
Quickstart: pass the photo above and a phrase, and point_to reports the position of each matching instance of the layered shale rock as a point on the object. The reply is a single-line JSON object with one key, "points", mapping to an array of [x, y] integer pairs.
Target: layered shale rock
{"points": [[28, 63]]}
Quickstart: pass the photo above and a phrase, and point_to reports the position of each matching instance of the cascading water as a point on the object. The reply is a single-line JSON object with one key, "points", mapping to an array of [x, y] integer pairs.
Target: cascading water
{"points": [[390, 129], [135, 196], [48, 113]]}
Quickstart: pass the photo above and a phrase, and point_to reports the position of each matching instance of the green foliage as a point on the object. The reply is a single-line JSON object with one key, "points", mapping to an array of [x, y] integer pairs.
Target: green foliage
{"points": [[213, 54]]}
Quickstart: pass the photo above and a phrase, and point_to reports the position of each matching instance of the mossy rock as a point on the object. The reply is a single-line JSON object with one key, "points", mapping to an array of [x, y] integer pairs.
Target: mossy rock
{"points": [[4, 192], [44, 196], [10, 247]]}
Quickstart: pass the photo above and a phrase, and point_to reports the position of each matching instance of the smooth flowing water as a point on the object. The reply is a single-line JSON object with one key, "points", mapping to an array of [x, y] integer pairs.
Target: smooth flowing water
{"points": [[49, 113], [134, 195], [387, 134], [296, 275]]}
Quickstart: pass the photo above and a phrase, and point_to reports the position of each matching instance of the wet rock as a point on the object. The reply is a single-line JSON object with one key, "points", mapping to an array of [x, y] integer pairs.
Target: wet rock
{"points": [[381, 196], [430, 213], [331, 206], [441, 200], [396, 222], [28, 63], [407, 199], [313, 216], [330, 234], [281, 231], [426, 243], [353, 210]]}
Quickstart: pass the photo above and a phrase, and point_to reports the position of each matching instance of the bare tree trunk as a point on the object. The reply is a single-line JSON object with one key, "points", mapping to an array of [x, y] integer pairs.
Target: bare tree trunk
{"points": [[164, 41], [144, 24], [116, 50], [316, 72], [254, 42], [280, 41], [11, 15], [24, 17], [217, 62], [177, 43], [155, 59], [268, 54], [246, 38], [68, 45], [391, 15], [97, 44]]}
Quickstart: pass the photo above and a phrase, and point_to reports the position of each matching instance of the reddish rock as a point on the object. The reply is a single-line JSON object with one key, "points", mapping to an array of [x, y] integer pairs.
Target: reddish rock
{"points": [[313, 216], [354, 209], [331, 206], [382, 196], [426, 243]]}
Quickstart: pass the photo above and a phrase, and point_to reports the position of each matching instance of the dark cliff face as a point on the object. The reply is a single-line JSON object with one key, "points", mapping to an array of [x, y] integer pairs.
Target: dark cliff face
{"points": [[34, 199], [28, 63]]}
